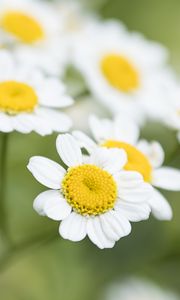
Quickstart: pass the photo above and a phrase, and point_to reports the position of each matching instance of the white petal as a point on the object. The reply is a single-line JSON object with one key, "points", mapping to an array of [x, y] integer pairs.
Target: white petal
{"points": [[51, 93], [73, 227], [111, 160], [52, 204], [22, 124], [132, 188], [153, 151], [69, 150], [160, 206], [125, 130], [57, 120], [5, 123], [115, 225], [140, 193], [101, 129], [97, 235], [84, 141], [134, 212], [56, 207], [129, 179], [121, 129], [39, 202], [166, 178], [46, 171], [26, 123]]}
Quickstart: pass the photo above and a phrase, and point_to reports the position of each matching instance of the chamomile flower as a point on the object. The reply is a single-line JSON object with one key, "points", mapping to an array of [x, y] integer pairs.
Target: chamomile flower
{"points": [[28, 99], [86, 196], [28, 21], [144, 157], [122, 70]]}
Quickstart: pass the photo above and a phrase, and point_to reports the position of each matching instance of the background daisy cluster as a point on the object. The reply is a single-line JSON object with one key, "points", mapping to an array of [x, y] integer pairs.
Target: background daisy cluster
{"points": [[54, 268]]}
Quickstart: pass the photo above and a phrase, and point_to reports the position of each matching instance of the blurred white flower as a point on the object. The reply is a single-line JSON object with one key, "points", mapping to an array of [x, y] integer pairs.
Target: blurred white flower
{"points": [[137, 289], [28, 99], [86, 195], [144, 157], [28, 21], [123, 70]]}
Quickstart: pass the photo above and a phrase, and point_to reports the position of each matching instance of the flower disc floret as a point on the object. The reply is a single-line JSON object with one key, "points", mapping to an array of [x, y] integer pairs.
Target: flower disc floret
{"points": [[24, 27], [89, 190], [120, 73], [17, 97]]}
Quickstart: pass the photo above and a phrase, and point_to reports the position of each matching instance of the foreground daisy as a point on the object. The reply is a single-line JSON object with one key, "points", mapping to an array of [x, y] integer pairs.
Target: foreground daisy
{"points": [[122, 70], [27, 21], [137, 289], [144, 157], [87, 196], [28, 100]]}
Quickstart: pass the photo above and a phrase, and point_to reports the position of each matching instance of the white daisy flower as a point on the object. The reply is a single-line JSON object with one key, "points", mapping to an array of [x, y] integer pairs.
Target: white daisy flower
{"points": [[143, 157], [86, 196], [137, 289], [28, 99], [28, 21], [123, 70]]}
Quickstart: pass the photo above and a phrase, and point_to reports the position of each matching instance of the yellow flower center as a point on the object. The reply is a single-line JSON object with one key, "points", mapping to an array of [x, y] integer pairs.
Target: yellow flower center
{"points": [[16, 97], [120, 72], [89, 190], [137, 161], [22, 26]]}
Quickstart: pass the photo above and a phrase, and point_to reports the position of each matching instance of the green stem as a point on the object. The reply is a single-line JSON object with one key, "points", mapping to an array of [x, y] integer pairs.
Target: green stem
{"points": [[3, 177]]}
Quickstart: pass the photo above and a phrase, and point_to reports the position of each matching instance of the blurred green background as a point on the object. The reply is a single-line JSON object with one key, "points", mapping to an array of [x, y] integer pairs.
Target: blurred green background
{"points": [[51, 268]]}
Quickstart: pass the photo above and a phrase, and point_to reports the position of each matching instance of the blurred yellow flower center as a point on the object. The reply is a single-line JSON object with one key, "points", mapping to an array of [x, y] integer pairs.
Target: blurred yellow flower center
{"points": [[22, 26], [89, 190], [120, 72], [137, 161], [16, 97]]}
